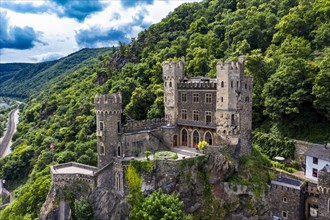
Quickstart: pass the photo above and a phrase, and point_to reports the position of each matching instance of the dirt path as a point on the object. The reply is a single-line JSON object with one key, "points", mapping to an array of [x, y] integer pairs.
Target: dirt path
{"points": [[9, 133]]}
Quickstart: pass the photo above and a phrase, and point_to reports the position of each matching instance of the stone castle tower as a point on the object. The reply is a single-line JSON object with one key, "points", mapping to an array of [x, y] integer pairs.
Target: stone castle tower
{"points": [[173, 72], [234, 104], [108, 117]]}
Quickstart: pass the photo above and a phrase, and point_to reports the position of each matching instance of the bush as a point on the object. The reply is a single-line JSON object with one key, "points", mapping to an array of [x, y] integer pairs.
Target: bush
{"points": [[160, 206], [273, 145], [201, 145]]}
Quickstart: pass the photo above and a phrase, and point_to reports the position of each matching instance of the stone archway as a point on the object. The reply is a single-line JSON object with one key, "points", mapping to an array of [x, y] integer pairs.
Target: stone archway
{"points": [[311, 207]]}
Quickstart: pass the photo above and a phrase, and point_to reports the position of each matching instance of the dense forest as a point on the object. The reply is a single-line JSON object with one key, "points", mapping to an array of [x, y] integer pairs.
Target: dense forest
{"points": [[287, 44]]}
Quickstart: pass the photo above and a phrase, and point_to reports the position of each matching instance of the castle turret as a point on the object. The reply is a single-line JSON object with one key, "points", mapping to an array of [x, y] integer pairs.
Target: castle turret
{"points": [[234, 104], [108, 118], [173, 72]]}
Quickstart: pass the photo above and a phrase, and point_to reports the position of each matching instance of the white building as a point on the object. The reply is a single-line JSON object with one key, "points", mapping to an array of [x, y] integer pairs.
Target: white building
{"points": [[316, 158]]}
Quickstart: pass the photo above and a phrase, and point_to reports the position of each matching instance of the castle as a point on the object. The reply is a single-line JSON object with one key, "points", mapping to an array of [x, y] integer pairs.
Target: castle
{"points": [[218, 111]]}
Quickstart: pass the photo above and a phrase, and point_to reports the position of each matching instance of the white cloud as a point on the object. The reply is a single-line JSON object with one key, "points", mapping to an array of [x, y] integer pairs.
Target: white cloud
{"points": [[59, 33]]}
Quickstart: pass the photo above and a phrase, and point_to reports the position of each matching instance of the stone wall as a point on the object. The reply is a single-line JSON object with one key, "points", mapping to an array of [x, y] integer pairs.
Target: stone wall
{"points": [[149, 124], [288, 200]]}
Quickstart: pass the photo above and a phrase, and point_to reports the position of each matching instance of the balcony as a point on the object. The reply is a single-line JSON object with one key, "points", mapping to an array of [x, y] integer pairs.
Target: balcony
{"points": [[201, 124], [99, 133]]}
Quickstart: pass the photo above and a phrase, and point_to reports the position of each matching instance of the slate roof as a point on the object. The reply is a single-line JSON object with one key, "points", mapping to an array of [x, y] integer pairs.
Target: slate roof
{"points": [[288, 182], [320, 151]]}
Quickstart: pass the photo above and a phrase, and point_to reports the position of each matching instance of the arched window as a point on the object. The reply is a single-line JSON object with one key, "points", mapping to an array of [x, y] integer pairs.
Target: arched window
{"points": [[231, 84], [118, 126], [195, 138], [170, 84], [222, 84], [224, 132], [237, 84], [184, 137], [208, 138]]}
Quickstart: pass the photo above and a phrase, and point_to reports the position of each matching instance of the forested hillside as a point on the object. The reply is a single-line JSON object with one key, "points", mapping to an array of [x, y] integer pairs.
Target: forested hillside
{"points": [[23, 79], [287, 44]]}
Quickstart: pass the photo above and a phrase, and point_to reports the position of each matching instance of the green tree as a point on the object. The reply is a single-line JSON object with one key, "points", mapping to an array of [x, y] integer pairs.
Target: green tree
{"points": [[161, 206], [321, 88]]}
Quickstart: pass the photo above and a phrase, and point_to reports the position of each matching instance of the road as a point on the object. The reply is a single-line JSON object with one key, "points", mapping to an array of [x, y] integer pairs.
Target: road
{"points": [[9, 133]]}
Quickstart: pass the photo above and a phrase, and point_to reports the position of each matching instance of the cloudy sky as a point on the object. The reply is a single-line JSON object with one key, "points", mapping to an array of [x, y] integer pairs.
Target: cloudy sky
{"points": [[41, 30]]}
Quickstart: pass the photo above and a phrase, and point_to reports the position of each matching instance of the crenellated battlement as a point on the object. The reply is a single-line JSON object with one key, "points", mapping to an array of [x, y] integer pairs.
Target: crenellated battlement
{"points": [[173, 69], [197, 85], [108, 103], [133, 126]]}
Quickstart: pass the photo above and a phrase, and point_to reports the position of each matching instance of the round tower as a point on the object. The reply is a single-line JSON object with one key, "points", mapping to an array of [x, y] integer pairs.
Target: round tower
{"points": [[173, 72], [108, 124]]}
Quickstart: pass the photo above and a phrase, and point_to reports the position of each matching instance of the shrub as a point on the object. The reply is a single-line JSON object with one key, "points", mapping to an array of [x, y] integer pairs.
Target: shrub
{"points": [[201, 145], [147, 153]]}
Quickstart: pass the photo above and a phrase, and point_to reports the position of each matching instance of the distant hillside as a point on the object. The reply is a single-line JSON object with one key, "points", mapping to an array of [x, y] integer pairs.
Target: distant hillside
{"points": [[23, 79]]}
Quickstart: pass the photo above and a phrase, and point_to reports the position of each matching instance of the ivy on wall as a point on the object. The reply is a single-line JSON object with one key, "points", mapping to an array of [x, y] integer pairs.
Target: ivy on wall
{"points": [[273, 145]]}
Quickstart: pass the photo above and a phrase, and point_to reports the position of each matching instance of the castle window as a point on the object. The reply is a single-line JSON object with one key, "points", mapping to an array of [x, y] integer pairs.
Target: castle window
{"points": [[221, 99], [246, 99], [208, 138], [184, 114], [195, 115], [329, 205], [183, 97], [315, 160], [237, 84], [118, 126], [165, 99], [224, 132], [184, 137], [101, 125], [284, 215], [195, 97], [232, 119], [102, 149], [118, 151], [222, 84], [245, 86], [314, 172], [231, 84], [285, 200], [165, 84], [208, 98], [170, 84], [208, 117]]}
